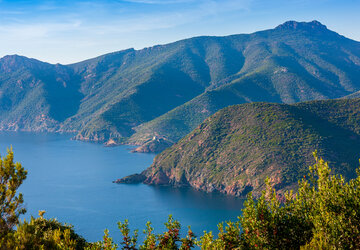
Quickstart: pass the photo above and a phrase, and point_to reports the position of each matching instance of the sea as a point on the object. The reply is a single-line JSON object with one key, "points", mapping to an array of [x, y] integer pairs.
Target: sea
{"points": [[73, 182]]}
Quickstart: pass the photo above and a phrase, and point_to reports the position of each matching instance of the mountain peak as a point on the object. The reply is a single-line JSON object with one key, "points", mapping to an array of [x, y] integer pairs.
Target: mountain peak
{"points": [[14, 62], [13, 57], [293, 25], [18, 59]]}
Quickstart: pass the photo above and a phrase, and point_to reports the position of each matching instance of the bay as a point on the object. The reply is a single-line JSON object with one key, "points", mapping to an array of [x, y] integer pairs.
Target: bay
{"points": [[72, 181]]}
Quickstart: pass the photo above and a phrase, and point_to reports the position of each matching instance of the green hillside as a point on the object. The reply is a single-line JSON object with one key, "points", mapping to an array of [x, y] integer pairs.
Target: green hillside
{"points": [[36, 96], [234, 150], [284, 65], [164, 92]]}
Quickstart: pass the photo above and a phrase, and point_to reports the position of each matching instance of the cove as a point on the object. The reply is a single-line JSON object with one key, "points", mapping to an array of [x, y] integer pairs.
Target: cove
{"points": [[72, 181]]}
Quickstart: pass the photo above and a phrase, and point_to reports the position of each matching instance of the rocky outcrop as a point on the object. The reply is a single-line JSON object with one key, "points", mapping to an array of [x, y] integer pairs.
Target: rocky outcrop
{"points": [[131, 179], [156, 145], [110, 143]]}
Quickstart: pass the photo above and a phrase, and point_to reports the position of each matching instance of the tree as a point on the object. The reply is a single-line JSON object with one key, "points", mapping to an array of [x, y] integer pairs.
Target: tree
{"points": [[12, 176], [333, 207], [322, 214]]}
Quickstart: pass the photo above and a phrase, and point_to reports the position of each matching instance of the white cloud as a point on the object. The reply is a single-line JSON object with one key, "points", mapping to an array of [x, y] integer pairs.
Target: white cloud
{"points": [[37, 30], [121, 24]]}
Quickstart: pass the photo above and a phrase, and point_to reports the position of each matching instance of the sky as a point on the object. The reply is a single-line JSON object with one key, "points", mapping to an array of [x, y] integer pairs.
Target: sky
{"points": [[70, 31]]}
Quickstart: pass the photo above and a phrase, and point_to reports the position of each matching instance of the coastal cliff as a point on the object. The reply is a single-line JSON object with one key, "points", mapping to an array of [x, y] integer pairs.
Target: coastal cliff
{"points": [[234, 150]]}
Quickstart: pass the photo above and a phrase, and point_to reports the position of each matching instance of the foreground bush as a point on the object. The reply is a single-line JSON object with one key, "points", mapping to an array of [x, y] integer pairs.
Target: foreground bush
{"points": [[12, 176], [323, 214], [170, 239], [41, 233]]}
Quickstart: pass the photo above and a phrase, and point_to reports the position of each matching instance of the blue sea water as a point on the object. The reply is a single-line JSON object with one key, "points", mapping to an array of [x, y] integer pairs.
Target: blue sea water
{"points": [[72, 181]]}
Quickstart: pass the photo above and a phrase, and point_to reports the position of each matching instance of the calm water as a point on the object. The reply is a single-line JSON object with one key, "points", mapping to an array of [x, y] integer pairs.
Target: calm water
{"points": [[72, 181]]}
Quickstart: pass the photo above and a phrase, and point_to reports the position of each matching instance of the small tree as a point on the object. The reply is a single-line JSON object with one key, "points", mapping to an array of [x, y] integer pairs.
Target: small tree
{"points": [[333, 207], [12, 176], [322, 214], [129, 242]]}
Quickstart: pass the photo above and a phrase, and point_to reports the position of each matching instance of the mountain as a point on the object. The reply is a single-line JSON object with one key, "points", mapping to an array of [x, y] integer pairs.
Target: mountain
{"points": [[353, 95], [36, 96], [234, 150], [155, 96], [291, 63]]}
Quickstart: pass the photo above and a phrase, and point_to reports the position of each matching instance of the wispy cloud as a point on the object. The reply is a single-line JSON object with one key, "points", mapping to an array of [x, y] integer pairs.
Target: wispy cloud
{"points": [[160, 1], [132, 22], [63, 30], [81, 29], [11, 12], [84, 27], [173, 17], [37, 30]]}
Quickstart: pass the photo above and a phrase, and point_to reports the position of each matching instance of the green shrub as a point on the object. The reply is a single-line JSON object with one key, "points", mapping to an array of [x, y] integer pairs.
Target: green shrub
{"points": [[41, 233], [323, 214], [12, 176]]}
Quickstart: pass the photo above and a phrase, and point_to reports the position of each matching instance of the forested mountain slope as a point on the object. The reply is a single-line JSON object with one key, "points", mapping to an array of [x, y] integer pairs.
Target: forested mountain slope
{"points": [[161, 93], [235, 149], [292, 63], [36, 96]]}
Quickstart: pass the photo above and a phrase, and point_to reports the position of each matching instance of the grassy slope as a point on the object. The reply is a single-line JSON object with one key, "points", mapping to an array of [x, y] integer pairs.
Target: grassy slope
{"points": [[234, 150]]}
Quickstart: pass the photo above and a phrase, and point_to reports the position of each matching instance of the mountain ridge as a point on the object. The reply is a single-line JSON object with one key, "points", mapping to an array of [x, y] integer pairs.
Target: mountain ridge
{"points": [[132, 96]]}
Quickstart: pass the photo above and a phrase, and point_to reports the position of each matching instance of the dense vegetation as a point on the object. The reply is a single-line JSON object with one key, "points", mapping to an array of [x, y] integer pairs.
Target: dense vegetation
{"points": [[11, 177], [164, 92], [322, 214], [234, 150], [39, 233]]}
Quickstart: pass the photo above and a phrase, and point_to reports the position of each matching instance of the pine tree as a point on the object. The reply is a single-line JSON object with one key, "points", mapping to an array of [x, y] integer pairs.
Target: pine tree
{"points": [[12, 176]]}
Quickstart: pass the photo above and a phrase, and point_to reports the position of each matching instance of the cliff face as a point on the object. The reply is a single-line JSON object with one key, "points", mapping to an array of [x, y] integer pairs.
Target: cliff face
{"points": [[234, 150]]}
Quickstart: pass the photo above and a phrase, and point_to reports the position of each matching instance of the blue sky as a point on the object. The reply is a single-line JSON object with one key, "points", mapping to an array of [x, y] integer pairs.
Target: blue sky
{"points": [[70, 31]]}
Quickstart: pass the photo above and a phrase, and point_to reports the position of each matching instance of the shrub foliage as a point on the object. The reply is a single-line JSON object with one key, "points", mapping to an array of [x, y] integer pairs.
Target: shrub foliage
{"points": [[324, 213], [12, 176]]}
